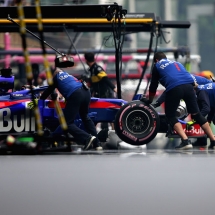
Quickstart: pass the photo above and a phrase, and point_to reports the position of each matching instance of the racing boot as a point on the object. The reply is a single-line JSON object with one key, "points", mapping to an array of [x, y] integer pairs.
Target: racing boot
{"points": [[89, 142], [185, 144], [97, 145], [212, 145], [93, 143]]}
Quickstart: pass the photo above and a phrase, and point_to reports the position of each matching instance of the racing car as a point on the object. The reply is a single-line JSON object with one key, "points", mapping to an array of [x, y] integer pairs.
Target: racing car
{"points": [[16, 119], [135, 122]]}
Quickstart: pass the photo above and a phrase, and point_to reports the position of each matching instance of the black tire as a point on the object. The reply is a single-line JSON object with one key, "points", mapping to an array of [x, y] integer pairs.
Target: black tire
{"points": [[137, 123]]}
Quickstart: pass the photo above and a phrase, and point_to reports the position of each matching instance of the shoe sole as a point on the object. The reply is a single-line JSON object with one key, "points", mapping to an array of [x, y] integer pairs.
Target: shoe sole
{"points": [[185, 147], [90, 143], [99, 148]]}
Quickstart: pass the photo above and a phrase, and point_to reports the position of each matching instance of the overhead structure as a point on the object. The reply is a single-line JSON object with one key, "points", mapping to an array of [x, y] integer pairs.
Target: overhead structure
{"points": [[91, 18], [36, 51], [83, 18]]}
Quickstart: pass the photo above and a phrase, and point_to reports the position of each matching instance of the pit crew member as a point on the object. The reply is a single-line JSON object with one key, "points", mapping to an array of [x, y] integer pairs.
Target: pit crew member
{"points": [[179, 85], [100, 85], [197, 79], [204, 104], [77, 98], [206, 97]]}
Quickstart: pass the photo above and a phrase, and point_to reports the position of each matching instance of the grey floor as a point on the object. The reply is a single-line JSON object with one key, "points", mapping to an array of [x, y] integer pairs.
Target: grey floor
{"points": [[122, 182]]}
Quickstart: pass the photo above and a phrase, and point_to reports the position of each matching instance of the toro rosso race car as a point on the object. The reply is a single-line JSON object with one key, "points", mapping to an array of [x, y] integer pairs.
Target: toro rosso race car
{"points": [[135, 122], [17, 119]]}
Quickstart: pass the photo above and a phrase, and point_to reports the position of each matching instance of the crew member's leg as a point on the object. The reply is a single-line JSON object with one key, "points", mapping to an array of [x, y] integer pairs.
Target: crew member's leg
{"points": [[87, 121], [205, 126], [71, 111], [172, 101], [212, 144], [192, 108], [201, 142], [83, 112]]}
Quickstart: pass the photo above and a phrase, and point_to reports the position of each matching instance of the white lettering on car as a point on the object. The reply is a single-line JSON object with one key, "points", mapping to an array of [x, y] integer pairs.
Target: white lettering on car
{"points": [[16, 95], [19, 122], [193, 131]]}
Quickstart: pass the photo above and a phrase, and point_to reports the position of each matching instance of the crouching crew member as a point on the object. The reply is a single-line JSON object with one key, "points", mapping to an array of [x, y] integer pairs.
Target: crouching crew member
{"points": [[77, 98], [179, 85]]}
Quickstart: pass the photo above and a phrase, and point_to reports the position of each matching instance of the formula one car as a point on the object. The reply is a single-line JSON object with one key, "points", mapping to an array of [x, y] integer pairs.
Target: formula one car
{"points": [[16, 119], [135, 122]]}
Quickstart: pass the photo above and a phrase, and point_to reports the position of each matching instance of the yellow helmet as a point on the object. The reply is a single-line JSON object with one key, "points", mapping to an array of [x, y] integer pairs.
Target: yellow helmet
{"points": [[207, 74]]}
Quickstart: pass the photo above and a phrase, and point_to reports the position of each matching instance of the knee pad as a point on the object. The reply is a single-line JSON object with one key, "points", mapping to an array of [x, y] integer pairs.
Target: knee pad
{"points": [[199, 119], [172, 121]]}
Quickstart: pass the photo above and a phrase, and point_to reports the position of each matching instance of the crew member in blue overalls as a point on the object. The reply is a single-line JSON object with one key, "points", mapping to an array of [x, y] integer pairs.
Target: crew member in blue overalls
{"points": [[179, 85], [77, 98], [197, 79], [206, 101], [204, 104]]}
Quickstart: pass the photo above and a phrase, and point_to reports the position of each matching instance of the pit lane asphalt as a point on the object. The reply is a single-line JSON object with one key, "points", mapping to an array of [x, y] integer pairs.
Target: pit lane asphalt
{"points": [[112, 182]]}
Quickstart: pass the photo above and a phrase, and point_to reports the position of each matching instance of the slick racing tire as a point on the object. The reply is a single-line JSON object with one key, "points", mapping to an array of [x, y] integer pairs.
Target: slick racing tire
{"points": [[137, 123]]}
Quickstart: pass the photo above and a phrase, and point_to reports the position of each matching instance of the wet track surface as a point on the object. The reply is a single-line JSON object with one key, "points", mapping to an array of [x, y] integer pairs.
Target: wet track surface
{"points": [[137, 181]]}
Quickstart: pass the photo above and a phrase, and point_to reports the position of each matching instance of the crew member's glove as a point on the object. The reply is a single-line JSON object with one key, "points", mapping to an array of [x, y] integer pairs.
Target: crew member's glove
{"points": [[145, 100], [156, 104], [190, 124], [31, 105]]}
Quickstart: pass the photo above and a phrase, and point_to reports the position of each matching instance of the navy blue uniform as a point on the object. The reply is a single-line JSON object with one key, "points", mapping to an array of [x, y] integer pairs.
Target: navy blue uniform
{"points": [[205, 98], [203, 102], [201, 80], [203, 105], [170, 74], [77, 102], [179, 85], [66, 84], [210, 90]]}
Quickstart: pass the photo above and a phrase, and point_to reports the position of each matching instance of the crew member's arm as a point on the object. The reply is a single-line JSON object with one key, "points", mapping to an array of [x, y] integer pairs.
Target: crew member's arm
{"points": [[154, 84], [47, 92], [162, 98], [109, 83], [101, 75], [50, 88]]}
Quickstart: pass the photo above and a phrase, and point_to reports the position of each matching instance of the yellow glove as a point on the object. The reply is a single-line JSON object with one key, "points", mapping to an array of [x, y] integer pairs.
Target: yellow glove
{"points": [[31, 105], [190, 124]]}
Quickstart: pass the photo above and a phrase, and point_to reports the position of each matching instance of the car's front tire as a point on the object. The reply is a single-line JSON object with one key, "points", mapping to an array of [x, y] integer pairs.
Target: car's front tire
{"points": [[137, 123]]}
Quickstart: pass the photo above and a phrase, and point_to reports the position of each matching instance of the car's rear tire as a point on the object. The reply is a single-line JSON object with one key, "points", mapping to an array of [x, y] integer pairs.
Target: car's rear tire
{"points": [[137, 123]]}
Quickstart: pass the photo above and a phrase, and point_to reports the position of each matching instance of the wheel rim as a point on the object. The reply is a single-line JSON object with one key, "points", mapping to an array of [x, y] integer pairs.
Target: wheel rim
{"points": [[137, 122]]}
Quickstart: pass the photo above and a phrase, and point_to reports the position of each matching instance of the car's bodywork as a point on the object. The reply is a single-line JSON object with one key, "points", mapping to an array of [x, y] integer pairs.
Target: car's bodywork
{"points": [[16, 117]]}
